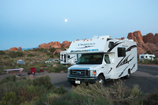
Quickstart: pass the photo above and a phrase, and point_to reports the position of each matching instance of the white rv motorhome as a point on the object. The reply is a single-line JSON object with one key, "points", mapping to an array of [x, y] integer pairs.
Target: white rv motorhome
{"points": [[102, 58], [68, 58], [146, 56]]}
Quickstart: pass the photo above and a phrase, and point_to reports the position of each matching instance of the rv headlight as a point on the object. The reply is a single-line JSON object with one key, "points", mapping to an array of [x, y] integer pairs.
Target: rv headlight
{"points": [[93, 73]]}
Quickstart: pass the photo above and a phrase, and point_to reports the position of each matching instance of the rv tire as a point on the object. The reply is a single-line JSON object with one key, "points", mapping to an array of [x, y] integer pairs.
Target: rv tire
{"points": [[101, 79]]}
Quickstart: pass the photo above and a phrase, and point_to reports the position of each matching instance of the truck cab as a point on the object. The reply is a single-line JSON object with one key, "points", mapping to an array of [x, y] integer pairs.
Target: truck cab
{"points": [[89, 67]]}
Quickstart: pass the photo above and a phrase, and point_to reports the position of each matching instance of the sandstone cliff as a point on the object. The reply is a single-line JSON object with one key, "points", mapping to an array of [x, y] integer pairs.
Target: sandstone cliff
{"points": [[15, 49], [145, 43], [56, 44]]}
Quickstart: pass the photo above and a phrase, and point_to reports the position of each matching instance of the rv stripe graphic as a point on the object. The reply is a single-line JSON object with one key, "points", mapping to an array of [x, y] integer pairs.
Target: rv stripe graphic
{"points": [[124, 61], [109, 70], [133, 66], [115, 44], [123, 71], [131, 47]]}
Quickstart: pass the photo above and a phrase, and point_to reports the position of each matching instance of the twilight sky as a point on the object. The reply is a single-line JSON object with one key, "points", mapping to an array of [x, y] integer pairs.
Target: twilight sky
{"points": [[28, 23]]}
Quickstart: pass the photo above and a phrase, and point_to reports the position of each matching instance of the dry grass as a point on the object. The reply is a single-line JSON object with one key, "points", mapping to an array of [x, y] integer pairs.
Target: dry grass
{"points": [[117, 93]]}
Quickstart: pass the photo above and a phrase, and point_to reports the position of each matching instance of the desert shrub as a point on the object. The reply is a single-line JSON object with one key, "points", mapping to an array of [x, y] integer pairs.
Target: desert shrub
{"points": [[52, 49], [152, 98], [6, 57], [14, 54], [57, 68], [2, 53], [30, 55], [139, 61], [148, 52], [10, 98], [48, 53], [7, 79], [48, 98], [43, 65], [155, 61], [57, 54], [146, 61], [40, 50], [28, 92], [115, 94], [45, 81], [60, 90], [1, 70], [27, 89], [51, 56], [63, 49]]}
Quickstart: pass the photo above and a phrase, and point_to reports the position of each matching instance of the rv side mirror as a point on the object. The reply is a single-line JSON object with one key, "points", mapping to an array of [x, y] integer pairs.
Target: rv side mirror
{"points": [[68, 56], [111, 44]]}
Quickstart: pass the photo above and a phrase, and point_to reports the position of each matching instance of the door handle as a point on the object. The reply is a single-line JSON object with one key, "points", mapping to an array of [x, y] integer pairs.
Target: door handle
{"points": [[102, 67]]}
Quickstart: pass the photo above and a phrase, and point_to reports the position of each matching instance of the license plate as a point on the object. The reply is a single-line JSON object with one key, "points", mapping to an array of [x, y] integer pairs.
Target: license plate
{"points": [[77, 82]]}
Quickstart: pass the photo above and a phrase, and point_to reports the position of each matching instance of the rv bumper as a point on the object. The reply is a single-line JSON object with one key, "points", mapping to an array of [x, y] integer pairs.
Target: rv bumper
{"points": [[72, 80]]}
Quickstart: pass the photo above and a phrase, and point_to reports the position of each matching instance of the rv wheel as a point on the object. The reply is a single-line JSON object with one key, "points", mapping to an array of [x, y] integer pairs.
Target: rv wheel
{"points": [[101, 79]]}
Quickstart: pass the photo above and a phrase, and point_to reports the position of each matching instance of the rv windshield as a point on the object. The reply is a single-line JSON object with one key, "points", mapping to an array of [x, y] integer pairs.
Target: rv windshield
{"points": [[90, 59]]}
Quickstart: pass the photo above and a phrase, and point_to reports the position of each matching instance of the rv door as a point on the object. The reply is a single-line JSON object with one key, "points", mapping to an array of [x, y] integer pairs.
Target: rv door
{"points": [[107, 65]]}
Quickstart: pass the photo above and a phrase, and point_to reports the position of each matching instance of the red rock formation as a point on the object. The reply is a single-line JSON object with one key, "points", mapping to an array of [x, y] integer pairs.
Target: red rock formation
{"points": [[145, 43], [156, 38], [20, 49], [57, 51], [122, 38], [138, 36], [152, 47], [13, 49], [49, 45], [131, 36], [66, 44], [149, 38], [140, 51], [56, 44], [44, 45]]}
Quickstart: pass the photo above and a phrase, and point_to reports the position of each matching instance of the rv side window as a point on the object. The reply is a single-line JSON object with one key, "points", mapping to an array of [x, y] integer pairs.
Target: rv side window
{"points": [[142, 56], [111, 44], [106, 59], [121, 52]]}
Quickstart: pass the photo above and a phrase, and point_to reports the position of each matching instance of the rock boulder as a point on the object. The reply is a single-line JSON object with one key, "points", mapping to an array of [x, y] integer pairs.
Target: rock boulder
{"points": [[65, 44], [13, 49]]}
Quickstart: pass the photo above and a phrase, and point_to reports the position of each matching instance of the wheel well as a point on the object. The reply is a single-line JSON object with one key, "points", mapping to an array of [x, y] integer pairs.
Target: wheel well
{"points": [[102, 75]]}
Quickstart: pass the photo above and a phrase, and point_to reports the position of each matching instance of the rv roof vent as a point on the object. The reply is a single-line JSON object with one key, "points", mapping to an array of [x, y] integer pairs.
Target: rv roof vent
{"points": [[95, 37]]}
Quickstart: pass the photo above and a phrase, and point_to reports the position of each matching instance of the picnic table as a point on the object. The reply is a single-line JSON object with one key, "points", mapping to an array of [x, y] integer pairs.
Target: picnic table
{"points": [[10, 70]]}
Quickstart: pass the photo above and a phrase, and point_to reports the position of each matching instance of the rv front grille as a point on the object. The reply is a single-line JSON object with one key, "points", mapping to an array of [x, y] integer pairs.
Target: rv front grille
{"points": [[79, 73]]}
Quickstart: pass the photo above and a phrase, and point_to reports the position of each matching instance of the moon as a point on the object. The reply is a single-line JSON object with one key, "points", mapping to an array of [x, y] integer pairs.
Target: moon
{"points": [[65, 20]]}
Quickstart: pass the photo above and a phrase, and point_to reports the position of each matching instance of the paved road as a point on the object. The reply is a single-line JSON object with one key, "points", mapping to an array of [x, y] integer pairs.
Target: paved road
{"points": [[149, 69], [145, 77]]}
